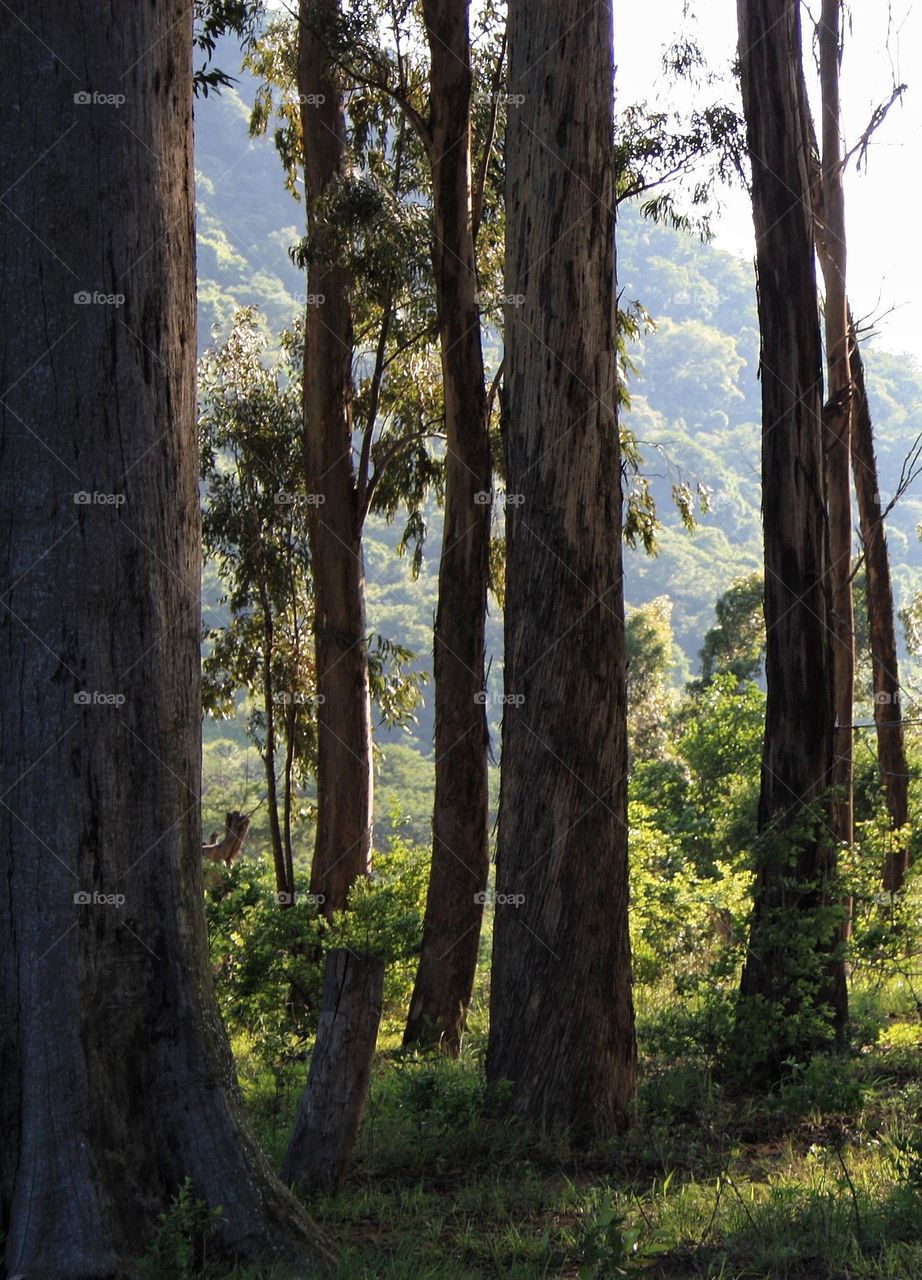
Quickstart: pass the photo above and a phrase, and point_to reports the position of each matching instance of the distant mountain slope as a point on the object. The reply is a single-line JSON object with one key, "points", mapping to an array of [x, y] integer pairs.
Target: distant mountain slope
{"points": [[246, 220], [695, 397]]}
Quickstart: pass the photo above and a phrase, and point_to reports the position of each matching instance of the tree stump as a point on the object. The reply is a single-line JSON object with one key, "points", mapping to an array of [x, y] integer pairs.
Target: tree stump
{"points": [[330, 1110]]}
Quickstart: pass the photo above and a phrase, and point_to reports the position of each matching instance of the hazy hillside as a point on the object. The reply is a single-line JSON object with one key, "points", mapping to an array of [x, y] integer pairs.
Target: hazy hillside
{"points": [[695, 404]]}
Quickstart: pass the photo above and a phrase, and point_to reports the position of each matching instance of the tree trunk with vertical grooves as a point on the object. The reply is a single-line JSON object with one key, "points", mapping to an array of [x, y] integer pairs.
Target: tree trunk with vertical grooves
{"points": [[342, 849], [460, 858], [331, 1106], [798, 754], [837, 419], [116, 1078], [888, 710], [562, 1023]]}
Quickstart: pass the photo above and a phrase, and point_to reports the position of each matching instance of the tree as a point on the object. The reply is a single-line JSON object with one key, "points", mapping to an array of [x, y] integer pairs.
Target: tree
{"points": [[850, 439], [561, 1014], [460, 837], [342, 849], [373, 49], [737, 643], [837, 415], [116, 1078], [793, 981], [649, 645], [888, 709], [255, 525]]}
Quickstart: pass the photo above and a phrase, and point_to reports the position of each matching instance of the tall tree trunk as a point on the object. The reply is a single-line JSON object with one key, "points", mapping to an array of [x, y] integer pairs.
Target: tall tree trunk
{"points": [[793, 964], [342, 851], [562, 1023], [116, 1079], [284, 891], [888, 711], [460, 859], [837, 418]]}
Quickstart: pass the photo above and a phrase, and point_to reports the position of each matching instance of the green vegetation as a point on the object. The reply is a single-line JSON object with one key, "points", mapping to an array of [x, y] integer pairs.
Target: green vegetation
{"points": [[819, 1178]]}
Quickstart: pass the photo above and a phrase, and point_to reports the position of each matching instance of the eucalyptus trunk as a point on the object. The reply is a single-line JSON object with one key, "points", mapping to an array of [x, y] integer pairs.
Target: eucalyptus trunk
{"points": [[837, 417], [888, 710], [460, 858], [116, 1078], [342, 849], [562, 1025], [793, 971]]}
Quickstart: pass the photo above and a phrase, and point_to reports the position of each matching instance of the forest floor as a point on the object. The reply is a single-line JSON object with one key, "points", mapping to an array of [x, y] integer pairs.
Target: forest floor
{"points": [[820, 1180]]}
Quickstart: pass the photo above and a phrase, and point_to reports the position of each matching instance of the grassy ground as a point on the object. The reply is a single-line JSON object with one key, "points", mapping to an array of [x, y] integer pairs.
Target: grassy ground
{"points": [[821, 1180]]}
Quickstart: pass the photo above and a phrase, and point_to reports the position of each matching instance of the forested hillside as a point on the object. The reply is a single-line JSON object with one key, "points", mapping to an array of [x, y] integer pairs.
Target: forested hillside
{"points": [[694, 409]]}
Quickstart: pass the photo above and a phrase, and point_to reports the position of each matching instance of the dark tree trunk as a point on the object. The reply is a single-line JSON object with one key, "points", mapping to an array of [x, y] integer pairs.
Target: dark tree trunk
{"points": [[837, 420], [792, 942], [116, 1079], [284, 888], [888, 711], [460, 859], [342, 851], [562, 1024], [330, 1111]]}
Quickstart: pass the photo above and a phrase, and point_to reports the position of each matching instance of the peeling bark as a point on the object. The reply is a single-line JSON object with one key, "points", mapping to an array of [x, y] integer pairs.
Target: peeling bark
{"points": [[562, 1026]]}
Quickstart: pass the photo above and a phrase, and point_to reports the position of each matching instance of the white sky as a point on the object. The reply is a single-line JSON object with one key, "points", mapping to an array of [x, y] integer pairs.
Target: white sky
{"points": [[882, 202]]}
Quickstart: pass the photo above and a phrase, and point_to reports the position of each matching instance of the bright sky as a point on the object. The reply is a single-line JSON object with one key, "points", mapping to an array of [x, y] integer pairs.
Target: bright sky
{"points": [[883, 48]]}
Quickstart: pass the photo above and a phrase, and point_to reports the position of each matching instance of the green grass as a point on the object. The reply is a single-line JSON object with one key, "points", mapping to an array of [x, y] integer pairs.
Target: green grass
{"points": [[821, 1180]]}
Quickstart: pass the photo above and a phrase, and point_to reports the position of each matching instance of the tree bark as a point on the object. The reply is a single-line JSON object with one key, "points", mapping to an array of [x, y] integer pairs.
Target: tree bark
{"points": [[793, 966], [342, 850], [562, 1025], [888, 711], [116, 1078], [331, 1107], [460, 858], [837, 418]]}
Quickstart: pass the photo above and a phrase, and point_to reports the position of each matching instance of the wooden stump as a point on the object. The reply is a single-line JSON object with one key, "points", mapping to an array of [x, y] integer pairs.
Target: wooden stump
{"points": [[331, 1106]]}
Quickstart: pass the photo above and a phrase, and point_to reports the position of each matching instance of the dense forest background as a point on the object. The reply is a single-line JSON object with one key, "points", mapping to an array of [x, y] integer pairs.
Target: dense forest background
{"points": [[695, 408]]}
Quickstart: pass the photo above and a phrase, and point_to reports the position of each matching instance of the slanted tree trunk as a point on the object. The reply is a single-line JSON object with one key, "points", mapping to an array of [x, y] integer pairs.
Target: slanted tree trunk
{"points": [[831, 244], [342, 851], [792, 970], [460, 859], [116, 1078], [888, 711], [562, 1025], [331, 1106]]}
